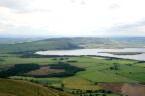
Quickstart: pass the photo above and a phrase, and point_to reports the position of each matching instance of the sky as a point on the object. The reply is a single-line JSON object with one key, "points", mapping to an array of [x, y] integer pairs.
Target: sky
{"points": [[72, 18]]}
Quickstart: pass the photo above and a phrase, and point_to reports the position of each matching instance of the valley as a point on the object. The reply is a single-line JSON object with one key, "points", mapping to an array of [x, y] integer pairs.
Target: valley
{"points": [[84, 74]]}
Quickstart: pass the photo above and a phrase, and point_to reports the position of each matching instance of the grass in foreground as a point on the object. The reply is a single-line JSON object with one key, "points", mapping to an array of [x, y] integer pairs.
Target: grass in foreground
{"points": [[23, 88]]}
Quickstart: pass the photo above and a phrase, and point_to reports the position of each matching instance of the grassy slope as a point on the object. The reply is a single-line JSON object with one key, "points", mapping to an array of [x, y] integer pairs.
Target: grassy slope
{"points": [[51, 44], [23, 88]]}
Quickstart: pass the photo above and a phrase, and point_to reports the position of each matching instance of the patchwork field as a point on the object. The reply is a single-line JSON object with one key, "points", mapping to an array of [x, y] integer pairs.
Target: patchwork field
{"points": [[95, 70]]}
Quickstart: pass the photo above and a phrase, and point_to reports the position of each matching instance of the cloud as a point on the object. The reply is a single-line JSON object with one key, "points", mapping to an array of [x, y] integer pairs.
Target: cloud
{"points": [[15, 4], [114, 6], [133, 29], [72, 17], [128, 26]]}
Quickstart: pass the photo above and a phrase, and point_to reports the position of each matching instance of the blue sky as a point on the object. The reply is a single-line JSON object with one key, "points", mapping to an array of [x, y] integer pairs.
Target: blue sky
{"points": [[70, 18]]}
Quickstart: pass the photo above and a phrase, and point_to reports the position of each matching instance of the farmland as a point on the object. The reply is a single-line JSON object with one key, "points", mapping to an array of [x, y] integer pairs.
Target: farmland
{"points": [[97, 70], [78, 75]]}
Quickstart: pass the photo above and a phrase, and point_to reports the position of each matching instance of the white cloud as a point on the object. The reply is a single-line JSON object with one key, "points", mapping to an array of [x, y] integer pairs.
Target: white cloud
{"points": [[70, 17]]}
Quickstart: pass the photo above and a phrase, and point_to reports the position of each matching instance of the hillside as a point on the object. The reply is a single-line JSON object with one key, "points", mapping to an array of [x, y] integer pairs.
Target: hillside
{"points": [[124, 42], [74, 43], [49, 44], [23, 88]]}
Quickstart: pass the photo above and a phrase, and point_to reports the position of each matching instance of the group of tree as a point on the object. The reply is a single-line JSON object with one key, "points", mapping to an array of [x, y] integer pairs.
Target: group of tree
{"points": [[18, 69]]}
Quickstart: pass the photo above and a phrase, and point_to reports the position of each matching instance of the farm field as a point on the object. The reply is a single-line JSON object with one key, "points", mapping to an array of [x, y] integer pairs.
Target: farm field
{"points": [[96, 70]]}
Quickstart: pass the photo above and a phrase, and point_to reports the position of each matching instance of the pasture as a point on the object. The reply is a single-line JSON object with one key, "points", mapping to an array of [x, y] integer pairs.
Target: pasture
{"points": [[97, 70]]}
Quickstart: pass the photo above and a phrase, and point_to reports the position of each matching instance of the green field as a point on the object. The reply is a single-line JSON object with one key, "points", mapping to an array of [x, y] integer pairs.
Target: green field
{"points": [[97, 69], [82, 82]]}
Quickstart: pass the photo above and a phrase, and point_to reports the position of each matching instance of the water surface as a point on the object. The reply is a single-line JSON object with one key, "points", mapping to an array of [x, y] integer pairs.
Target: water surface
{"points": [[98, 52]]}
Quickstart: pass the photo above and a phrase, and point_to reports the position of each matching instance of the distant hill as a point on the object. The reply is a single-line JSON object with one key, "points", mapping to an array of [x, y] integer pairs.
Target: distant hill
{"points": [[49, 44], [74, 43], [22, 88], [17, 40], [124, 42]]}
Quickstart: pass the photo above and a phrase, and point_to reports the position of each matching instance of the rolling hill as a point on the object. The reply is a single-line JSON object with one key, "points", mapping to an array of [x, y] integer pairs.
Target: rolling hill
{"points": [[74, 43], [49, 44], [22, 88], [120, 42]]}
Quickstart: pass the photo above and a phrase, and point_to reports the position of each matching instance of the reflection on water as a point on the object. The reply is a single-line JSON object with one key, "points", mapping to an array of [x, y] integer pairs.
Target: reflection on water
{"points": [[97, 52]]}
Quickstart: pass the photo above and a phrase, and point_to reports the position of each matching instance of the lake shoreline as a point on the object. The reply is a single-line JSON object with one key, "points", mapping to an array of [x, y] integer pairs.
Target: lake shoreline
{"points": [[127, 53]]}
